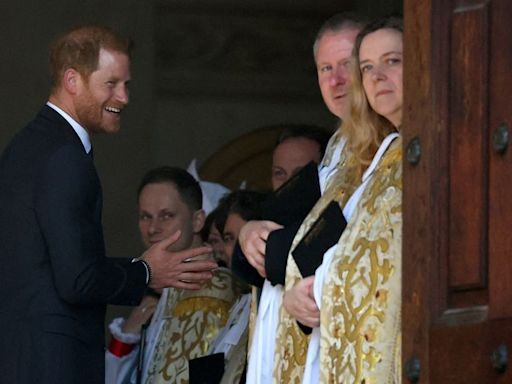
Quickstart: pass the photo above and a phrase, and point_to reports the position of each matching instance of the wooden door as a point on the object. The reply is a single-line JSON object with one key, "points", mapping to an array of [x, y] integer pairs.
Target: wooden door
{"points": [[457, 250]]}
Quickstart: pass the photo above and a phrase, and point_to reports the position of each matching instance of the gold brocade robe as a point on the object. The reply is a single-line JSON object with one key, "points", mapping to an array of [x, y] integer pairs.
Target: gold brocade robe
{"points": [[333, 143], [193, 320], [361, 298], [255, 291], [292, 343]]}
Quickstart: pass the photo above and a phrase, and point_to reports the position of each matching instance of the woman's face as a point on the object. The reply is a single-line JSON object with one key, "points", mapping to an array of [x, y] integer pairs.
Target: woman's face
{"points": [[215, 239], [380, 62], [234, 223], [217, 242]]}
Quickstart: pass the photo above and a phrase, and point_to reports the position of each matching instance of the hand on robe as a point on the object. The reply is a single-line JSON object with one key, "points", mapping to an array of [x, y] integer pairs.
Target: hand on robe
{"points": [[140, 314], [252, 239], [300, 303]]}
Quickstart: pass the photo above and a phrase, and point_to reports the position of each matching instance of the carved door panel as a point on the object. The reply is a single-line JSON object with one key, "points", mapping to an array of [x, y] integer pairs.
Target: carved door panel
{"points": [[457, 251]]}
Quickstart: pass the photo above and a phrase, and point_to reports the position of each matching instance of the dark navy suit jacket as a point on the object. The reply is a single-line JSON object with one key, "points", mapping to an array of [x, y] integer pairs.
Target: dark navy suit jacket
{"points": [[55, 280]]}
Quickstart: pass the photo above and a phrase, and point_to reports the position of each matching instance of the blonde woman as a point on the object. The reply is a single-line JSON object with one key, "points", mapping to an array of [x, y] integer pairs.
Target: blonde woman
{"points": [[357, 288]]}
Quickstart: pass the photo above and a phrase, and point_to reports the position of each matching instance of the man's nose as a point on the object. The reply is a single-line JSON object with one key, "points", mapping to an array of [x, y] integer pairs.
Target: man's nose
{"points": [[339, 76], [154, 226], [122, 94]]}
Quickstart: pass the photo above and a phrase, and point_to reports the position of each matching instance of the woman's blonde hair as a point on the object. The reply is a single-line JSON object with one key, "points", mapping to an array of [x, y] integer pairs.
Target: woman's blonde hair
{"points": [[364, 128]]}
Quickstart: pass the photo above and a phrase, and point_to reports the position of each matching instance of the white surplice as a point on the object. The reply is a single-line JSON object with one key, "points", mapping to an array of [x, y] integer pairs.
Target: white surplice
{"points": [[312, 367], [261, 353]]}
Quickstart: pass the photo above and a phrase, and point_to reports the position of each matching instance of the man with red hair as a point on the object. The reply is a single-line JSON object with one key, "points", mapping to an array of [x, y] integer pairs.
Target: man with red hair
{"points": [[56, 278]]}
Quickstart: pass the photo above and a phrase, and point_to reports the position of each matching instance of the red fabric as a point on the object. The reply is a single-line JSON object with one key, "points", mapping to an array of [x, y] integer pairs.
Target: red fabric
{"points": [[120, 349]]}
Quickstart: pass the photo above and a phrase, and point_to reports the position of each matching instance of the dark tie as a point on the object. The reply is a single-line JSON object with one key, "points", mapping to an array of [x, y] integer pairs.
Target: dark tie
{"points": [[91, 154]]}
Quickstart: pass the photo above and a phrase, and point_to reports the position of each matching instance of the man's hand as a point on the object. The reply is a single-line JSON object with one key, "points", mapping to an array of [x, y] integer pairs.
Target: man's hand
{"points": [[174, 269], [252, 239], [140, 314], [299, 302]]}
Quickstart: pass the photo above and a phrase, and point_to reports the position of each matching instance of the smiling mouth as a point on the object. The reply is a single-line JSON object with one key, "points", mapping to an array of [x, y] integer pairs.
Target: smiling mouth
{"points": [[338, 97], [113, 110]]}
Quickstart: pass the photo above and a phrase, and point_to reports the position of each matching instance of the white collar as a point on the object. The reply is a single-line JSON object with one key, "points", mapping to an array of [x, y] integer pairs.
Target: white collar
{"points": [[80, 131]]}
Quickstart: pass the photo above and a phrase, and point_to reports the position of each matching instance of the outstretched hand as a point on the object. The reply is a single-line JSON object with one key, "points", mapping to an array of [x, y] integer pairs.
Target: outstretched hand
{"points": [[299, 302], [252, 239], [177, 269]]}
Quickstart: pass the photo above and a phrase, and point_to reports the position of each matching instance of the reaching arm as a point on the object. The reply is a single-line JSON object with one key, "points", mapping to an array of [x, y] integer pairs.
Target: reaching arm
{"points": [[175, 269]]}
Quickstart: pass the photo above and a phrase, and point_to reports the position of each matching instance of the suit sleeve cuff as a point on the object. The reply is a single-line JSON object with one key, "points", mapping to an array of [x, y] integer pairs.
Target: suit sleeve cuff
{"points": [[146, 267]]}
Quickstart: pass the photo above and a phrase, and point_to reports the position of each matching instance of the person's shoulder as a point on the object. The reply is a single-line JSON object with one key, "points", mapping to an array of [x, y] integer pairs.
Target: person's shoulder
{"points": [[47, 126], [29, 144], [393, 155], [50, 126]]}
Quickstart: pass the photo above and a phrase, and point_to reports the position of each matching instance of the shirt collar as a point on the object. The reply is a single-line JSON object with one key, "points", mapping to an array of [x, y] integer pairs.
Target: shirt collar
{"points": [[80, 131]]}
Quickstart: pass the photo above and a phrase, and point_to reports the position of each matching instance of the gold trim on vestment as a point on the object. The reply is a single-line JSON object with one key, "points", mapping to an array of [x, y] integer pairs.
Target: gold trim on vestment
{"points": [[292, 343], [193, 321], [361, 298]]}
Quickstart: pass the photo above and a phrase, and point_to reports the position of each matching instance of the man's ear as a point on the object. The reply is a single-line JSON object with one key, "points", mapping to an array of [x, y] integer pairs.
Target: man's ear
{"points": [[198, 220], [72, 81]]}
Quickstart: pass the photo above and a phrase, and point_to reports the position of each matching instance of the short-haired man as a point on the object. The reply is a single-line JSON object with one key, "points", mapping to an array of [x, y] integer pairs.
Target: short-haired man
{"points": [[57, 279], [185, 322], [332, 52], [297, 145]]}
